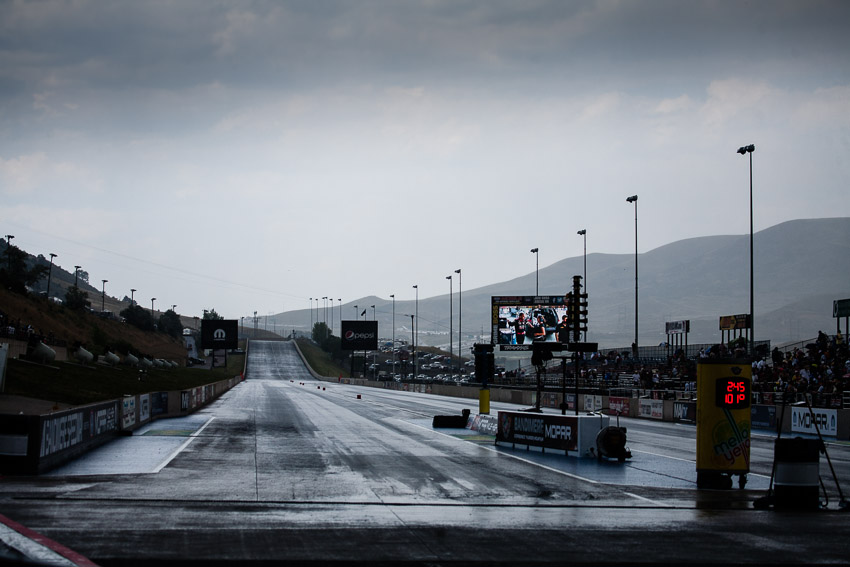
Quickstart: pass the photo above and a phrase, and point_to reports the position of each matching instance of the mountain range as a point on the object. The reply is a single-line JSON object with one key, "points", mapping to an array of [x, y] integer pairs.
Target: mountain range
{"points": [[800, 268]]}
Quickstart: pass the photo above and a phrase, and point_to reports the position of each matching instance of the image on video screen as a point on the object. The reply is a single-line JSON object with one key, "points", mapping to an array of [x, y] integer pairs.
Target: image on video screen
{"points": [[522, 321]]}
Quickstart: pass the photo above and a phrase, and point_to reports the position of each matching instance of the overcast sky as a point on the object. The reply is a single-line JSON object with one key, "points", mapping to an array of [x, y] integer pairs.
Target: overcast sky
{"points": [[245, 156]]}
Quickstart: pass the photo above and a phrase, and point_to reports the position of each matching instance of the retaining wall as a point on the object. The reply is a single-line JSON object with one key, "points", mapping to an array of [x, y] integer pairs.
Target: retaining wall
{"points": [[33, 444]]}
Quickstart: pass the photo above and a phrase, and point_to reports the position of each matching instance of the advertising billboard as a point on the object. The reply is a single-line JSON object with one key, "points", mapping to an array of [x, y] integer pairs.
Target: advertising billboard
{"points": [[677, 327], [538, 430], [733, 322], [219, 334], [359, 335], [520, 321]]}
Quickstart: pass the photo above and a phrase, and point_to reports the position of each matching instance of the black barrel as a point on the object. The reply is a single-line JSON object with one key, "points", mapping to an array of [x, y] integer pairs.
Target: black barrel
{"points": [[795, 481]]}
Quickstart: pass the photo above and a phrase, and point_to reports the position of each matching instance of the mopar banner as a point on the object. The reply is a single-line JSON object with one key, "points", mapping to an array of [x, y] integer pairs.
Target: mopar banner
{"points": [[359, 335], [538, 430], [219, 334], [818, 419]]}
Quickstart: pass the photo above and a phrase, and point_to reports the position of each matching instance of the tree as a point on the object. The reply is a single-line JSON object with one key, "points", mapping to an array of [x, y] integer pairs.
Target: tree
{"points": [[212, 315], [169, 323], [320, 333], [14, 273], [138, 317], [77, 299]]}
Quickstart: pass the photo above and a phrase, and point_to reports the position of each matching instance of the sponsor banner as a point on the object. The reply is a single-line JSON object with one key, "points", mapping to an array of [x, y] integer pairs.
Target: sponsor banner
{"points": [[486, 424], [733, 322], [763, 417], [619, 405], [128, 412], [219, 334], [159, 403], [653, 409], [550, 400], [685, 412], [678, 327], [184, 401], [539, 430], [144, 408], [592, 402], [803, 422], [67, 429], [359, 335]]}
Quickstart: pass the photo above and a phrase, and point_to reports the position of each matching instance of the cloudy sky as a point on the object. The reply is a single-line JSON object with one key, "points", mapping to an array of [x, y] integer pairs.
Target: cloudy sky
{"points": [[245, 156]]}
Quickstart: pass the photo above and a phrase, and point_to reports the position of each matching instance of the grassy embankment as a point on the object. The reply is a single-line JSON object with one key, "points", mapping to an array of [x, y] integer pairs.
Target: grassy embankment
{"points": [[76, 384], [320, 361]]}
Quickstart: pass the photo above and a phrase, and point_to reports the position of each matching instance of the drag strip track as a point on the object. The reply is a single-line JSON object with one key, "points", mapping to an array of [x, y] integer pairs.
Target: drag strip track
{"points": [[292, 469]]}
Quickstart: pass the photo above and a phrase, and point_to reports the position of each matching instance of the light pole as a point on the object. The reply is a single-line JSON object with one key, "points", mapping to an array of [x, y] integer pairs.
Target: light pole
{"points": [[332, 315], [583, 233], [413, 338], [356, 313], [634, 199], [413, 333], [459, 313], [76, 274], [392, 296], [339, 300], [50, 274], [152, 300], [374, 313], [103, 297], [451, 353], [132, 293], [744, 150], [9, 238], [536, 270], [325, 299], [311, 316]]}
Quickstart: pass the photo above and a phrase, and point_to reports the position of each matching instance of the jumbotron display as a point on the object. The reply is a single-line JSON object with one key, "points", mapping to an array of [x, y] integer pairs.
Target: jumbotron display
{"points": [[520, 321]]}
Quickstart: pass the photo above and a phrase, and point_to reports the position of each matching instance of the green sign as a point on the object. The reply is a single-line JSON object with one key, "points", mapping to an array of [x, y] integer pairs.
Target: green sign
{"points": [[841, 308]]}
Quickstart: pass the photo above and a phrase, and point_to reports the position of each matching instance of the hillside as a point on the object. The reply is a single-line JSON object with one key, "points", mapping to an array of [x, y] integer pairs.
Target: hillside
{"points": [[92, 331], [801, 266]]}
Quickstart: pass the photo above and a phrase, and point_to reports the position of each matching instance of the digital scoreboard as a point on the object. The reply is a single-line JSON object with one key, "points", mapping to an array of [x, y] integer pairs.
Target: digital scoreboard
{"points": [[732, 393], [724, 421]]}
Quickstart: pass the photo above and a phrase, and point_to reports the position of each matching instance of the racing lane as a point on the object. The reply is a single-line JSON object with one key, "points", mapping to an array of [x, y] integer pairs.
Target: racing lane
{"points": [[289, 468]]}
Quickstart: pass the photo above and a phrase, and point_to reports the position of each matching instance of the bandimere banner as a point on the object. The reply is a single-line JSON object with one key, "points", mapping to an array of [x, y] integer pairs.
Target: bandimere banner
{"points": [[538, 430]]}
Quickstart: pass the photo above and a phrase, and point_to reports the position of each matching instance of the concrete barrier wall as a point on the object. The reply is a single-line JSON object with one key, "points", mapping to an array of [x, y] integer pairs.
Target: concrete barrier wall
{"points": [[36, 444]]}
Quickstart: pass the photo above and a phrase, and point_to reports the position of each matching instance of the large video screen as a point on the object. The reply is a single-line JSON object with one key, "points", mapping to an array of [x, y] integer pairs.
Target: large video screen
{"points": [[520, 321]]}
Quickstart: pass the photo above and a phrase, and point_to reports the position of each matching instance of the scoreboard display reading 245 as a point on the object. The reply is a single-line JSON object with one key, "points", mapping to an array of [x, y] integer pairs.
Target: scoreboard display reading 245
{"points": [[732, 393]]}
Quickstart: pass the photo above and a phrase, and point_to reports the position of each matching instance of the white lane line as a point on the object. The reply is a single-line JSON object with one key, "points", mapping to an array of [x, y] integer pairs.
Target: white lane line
{"points": [[182, 446], [645, 499]]}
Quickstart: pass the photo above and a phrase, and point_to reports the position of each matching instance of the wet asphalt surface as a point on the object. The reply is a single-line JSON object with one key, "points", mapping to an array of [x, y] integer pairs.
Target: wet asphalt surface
{"points": [[285, 469]]}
